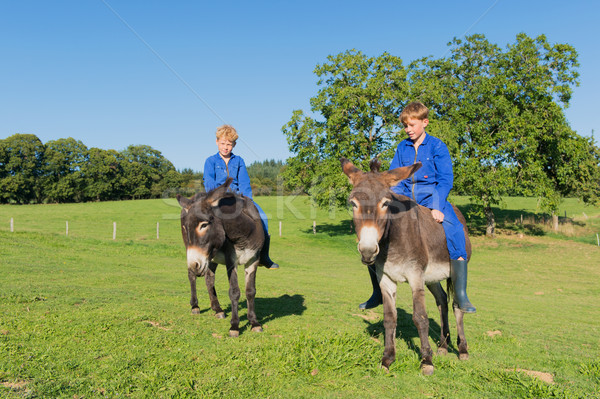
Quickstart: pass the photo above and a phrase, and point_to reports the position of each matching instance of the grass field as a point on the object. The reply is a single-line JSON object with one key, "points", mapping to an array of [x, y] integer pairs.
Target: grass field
{"points": [[85, 316]]}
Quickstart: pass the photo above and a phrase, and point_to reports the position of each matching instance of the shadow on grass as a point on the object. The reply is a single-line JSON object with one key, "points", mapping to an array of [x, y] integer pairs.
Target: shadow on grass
{"points": [[407, 331], [267, 309]]}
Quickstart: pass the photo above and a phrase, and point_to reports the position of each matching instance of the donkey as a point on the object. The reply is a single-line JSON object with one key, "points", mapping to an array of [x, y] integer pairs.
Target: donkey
{"points": [[405, 244], [220, 227]]}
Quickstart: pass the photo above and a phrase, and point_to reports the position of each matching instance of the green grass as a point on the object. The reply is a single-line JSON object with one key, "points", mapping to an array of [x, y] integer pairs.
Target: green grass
{"points": [[84, 315]]}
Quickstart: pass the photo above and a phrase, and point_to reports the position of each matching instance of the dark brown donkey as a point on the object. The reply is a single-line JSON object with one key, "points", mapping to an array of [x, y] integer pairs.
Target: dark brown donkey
{"points": [[220, 227], [405, 244]]}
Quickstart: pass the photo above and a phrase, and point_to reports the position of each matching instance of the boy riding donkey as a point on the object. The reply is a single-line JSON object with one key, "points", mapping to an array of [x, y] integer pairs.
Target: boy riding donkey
{"points": [[429, 187]]}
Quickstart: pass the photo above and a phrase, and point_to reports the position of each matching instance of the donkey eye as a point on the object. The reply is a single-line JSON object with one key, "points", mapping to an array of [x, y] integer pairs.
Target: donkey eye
{"points": [[202, 225], [385, 203], [354, 203]]}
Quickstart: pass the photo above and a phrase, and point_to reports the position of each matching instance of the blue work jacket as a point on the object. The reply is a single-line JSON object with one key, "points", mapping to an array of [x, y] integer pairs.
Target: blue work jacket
{"points": [[431, 184], [216, 171]]}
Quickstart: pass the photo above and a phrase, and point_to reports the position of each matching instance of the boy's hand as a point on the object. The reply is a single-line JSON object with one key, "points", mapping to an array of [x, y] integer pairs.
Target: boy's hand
{"points": [[437, 215]]}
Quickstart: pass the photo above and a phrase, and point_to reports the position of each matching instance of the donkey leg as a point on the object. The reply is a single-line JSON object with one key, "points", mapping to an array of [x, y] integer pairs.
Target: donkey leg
{"points": [[234, 296], [212, 293], [390, 318], [422, 323], [250, 276], [461, 340], [441, 300], [194, 296]]}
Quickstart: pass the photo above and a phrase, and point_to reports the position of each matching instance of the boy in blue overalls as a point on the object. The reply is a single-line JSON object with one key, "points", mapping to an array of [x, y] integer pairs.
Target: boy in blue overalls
{"points": [[430, 187], [224, 164]]}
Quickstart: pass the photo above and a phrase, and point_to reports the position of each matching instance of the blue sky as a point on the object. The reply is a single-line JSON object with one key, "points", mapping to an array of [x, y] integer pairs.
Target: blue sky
{"points": [[166, 73]]}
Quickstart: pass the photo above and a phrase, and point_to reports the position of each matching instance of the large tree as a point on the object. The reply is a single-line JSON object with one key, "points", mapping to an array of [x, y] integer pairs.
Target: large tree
{"points": [[501, 113], [504, 116]]}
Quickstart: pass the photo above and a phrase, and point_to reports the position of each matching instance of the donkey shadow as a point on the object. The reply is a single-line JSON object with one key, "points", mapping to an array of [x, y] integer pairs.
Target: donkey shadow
{"points": [[407, 331], [267, 309]]}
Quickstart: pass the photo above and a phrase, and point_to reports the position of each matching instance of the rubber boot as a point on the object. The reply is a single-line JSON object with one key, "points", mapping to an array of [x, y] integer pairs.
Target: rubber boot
{"points": [[376, 298], [265, 260], [458, 274]]}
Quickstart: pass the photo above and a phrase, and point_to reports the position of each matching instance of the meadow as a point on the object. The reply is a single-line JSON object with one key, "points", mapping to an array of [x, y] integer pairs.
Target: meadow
{"points": [[86, 316]]}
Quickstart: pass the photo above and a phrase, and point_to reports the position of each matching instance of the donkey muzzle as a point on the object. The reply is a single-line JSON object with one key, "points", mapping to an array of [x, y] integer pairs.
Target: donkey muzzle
{"points": [[368, 245], [197, 261]]}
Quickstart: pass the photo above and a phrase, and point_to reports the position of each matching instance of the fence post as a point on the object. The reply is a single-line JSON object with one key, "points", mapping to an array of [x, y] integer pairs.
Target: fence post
{"points": [[12, 225], [67, 231], [314, 227], [157, 230], [114, 230], [280, 228]]}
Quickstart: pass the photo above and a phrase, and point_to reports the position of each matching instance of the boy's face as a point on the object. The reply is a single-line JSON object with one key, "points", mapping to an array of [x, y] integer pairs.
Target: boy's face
{"points": [[225, 147], [415, 128]]}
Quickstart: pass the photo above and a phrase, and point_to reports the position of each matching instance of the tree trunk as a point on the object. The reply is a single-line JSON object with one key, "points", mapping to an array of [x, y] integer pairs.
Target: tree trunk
{"points": [[490, 230]]}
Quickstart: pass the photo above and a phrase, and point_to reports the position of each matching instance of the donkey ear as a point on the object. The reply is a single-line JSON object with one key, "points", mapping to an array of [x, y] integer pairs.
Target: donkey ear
{"points": [[216, 195], [351, 171], [183, 201], [227, 182], [395, 176]]}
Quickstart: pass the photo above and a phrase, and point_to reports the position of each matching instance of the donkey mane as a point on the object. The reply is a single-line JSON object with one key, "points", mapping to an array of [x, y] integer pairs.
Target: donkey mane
{"points": [[374, 165]]}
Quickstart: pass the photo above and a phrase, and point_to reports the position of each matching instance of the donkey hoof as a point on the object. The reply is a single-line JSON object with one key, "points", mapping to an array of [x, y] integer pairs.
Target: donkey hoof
{"points": [[386, 362], [234, 333], [220, 315], [463, 356], [384, 368], [257, 329], [442, 351], [195, 310], [427, 369]]}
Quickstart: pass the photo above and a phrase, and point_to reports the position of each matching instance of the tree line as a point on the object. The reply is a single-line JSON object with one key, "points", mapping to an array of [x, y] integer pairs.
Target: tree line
{"points": [[65, 170], [500, 111]]}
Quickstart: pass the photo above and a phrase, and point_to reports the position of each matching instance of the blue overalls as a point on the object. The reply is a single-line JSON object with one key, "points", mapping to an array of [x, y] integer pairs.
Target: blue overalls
{"points": [[431, 184], [216, 171]]}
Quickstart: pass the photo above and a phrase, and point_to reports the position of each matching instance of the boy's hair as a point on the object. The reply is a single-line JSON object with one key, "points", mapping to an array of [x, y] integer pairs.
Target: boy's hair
{"points": [[227, 132], [414, 110]]}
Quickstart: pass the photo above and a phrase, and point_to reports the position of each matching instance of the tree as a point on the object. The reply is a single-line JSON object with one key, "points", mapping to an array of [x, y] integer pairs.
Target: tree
{"points": [[264, 176], [145, 168], [501, 113], [360, 101], [169, 184], [101, 175], [506, 113], [21, 160], [191, 180], [62, 175]]}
